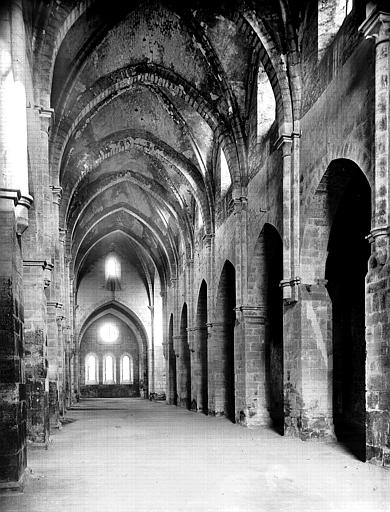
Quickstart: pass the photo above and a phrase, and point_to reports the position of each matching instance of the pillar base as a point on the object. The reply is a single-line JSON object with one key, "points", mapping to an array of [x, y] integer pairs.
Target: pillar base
{"points": [[378, 438], [253, 418], [307, 427], [12, 488]]}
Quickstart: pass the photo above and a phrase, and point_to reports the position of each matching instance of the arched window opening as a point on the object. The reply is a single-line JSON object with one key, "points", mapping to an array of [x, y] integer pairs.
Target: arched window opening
{"points": [[331, 15], [91, 369], [226, 179], [199, 218], [112, 272], [266, 104], [109, 369], [127, 369]]}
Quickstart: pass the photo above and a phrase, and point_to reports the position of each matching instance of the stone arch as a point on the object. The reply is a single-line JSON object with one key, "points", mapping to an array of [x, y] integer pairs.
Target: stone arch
{"points": [[260, 40], [123, 80], [133, 322], [162, 269], [172, 382], [334, 264], [320, 214], [184, 367], [346, 150], [221, 351], [149, 225], [149, 145], [265, 391], [201, 348]]}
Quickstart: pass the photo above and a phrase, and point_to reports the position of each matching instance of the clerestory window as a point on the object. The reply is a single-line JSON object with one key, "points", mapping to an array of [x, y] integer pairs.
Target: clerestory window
{"points": [[113, 272]]}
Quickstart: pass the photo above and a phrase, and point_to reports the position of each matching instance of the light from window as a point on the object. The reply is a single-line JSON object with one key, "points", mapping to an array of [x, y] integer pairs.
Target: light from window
{"points": [[266, 104], [127, 370], [109, 332], [113, 267], [91, 369], [226, 179], [109, 370]]}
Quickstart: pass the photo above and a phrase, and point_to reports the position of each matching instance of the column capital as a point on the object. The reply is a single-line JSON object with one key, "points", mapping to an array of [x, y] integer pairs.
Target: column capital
{"points": [[290, 289], [252, 313], [179, 337], [62, 235], [210, 325], [57, 194], [173, 282], [46, 115], [197, 328], [12, 194], [207, 239], [239, 204], [378, 232], [54, 304], [47, 267], [21, 212], [284, 142], [251, 309], [376, 26]]}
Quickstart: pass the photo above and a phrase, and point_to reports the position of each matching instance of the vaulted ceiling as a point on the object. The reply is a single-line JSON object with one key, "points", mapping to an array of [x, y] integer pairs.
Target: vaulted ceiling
{"points": [[144, 93]]}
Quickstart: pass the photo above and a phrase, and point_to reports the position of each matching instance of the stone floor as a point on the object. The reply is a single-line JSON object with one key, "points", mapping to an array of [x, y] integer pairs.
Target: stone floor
{"points": [[133, 455]]}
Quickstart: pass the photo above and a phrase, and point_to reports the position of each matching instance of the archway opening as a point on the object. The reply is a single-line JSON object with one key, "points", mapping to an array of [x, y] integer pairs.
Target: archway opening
{"points": [[201, 321], [172, 365], [346, 268], [185, 367], [273, 272], [224, 339], [106, 347]]}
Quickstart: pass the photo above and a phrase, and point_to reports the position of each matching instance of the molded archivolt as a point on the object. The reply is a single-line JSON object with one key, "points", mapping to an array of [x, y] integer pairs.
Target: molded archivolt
{"points": [[123, 313], [320, 213], [134, 324]]}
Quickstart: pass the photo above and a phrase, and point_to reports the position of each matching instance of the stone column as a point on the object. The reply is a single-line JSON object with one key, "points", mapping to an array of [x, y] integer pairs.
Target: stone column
{"points": [[252, 320], [198, 383], [289, 146], [210, 376], [377, 27], [181, 370], [53, 313], [13, 120], [12, 380], [151, 353], [36, 277], [240, 213], [194, 368], [217, 384], [14, 203]]}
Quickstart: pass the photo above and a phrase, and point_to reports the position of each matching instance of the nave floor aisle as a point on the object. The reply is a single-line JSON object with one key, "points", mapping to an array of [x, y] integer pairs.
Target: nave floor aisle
{"points": [[132, 455]]}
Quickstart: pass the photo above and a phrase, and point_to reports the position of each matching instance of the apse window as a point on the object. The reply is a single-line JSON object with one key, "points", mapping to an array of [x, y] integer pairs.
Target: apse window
{"points": [[113, 272], [331, 15], [109, 332], [126, 369], [109, 369], [226, 179], [91, 369]]}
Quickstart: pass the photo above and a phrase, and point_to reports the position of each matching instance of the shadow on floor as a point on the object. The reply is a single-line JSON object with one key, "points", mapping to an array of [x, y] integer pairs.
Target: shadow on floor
{"points": [[353, 440]]}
